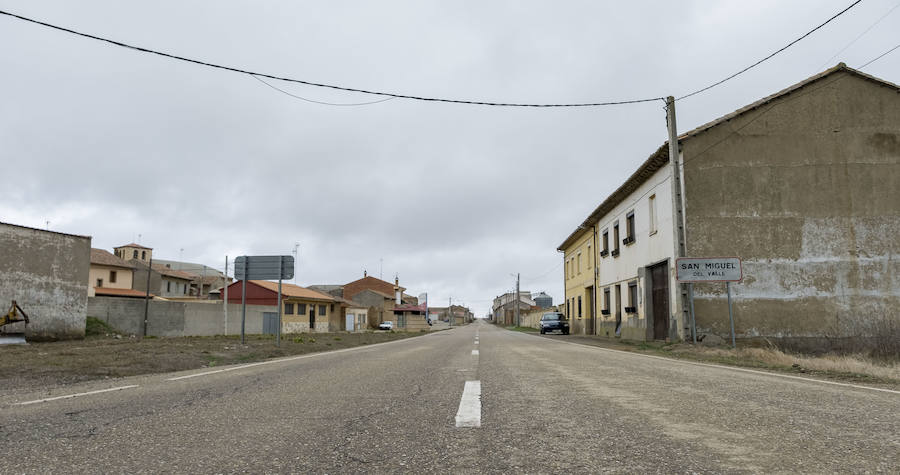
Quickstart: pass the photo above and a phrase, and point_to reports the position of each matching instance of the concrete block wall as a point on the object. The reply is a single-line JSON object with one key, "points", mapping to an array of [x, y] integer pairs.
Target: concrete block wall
{"points": [[169, 318], [47, 274]]}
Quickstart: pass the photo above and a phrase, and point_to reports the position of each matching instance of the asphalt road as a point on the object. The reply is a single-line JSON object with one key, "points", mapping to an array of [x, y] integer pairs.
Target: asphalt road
{"points": [[546, 406]]}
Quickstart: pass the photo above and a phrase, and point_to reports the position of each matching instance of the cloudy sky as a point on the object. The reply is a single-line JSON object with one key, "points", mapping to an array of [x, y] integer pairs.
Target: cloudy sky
{"points": [[203, 163]]}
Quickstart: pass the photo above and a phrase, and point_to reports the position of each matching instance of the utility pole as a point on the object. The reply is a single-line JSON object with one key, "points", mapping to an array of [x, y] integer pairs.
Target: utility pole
{"points": [[681, 299], [147, 296], [518, 321], [450, 310]]}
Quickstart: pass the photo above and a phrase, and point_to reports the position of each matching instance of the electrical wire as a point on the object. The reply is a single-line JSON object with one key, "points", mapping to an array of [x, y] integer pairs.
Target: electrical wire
{"points": [[829, 60], [557, 266], [321, 102], [328, 86], [698, 91], [879, 56]]}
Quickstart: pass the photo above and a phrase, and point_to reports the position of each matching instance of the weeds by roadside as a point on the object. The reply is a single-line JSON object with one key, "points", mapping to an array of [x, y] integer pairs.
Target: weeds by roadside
{"points": [[522, 329], [51, 364], [860, 368]]}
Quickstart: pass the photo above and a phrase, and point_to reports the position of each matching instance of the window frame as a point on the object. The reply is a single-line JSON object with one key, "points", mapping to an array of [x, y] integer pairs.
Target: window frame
{"points": [[629, 229], [288, 308], [605, 251], [615, 251], [579, 307], [322, 310], [632, 297], [112, 277], [606, 302], [652, 214]]}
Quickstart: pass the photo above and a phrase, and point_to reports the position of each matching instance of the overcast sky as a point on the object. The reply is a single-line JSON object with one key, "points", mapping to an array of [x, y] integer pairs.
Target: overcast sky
{"points": [[112, 143]]}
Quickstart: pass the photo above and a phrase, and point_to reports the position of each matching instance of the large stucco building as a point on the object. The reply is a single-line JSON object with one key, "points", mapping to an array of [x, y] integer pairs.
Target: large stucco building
{"points": [[46, 273], [803, 186]]}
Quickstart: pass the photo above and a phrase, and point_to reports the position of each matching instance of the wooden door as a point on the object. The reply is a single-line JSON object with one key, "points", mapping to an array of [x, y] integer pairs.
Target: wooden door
{"points": [[592, 318], [659, 277], [312, 318], [618, 310]]}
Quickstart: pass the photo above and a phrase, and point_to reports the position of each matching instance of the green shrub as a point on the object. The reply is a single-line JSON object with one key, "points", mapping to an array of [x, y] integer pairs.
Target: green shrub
{"points": [[95, 326]]}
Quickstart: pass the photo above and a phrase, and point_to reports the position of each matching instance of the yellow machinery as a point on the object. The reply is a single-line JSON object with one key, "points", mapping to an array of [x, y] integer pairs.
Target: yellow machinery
{"points": [[13, 316]]}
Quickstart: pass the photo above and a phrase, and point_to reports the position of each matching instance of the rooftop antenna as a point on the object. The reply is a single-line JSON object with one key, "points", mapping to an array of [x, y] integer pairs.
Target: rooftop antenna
{"points": [[296, 253], [48, 225]]}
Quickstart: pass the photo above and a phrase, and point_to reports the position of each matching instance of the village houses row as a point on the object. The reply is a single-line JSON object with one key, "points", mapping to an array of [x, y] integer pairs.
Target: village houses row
{"points": [[803, 186], [59, 279]]}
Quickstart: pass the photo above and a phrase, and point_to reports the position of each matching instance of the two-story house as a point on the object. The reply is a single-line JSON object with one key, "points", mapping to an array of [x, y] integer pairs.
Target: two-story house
{"points": [[802, 185]]}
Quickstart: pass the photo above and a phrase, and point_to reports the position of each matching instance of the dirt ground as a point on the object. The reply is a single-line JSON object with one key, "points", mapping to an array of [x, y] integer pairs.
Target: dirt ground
{"points": [[54, 364]]}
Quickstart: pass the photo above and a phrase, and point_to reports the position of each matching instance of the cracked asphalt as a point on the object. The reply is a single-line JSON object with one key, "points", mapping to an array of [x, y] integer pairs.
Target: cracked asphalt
{"points": [[547, 407]]}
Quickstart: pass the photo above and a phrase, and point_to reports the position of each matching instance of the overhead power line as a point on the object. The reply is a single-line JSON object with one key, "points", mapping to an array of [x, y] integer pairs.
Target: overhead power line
{"points": [[322, 102], [391, 95], [779, 50], [879, 20], [880, 56], [329, 86]]}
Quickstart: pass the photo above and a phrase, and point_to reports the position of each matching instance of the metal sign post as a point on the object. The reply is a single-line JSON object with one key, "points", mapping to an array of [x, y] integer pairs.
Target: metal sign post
{"points": [[225, 290], [262, 268], [278, 332], [693, 317], [709, 269], [243, 301], [730, 314]]}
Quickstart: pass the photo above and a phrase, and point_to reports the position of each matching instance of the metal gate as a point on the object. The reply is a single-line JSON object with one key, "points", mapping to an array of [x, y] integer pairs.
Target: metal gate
{"points": [[270, 323], [351, 319]]}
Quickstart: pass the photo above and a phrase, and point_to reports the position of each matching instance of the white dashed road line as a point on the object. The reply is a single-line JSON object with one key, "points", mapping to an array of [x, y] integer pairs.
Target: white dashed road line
{"points": [[474, 352], [69, 396], [469, 413]]}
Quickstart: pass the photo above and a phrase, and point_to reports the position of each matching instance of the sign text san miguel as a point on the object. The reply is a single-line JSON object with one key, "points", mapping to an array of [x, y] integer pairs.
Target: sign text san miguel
{"points": [[708, 269]]}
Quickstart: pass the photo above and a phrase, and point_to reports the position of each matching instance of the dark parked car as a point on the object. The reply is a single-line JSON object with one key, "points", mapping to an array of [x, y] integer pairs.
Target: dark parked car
{"points": [[553, 322]]}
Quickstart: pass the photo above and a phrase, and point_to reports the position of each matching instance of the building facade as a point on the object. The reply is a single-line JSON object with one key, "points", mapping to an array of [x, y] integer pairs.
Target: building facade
{"points": [[46, 273], [303, 310], [108, 272], [801, 185]]}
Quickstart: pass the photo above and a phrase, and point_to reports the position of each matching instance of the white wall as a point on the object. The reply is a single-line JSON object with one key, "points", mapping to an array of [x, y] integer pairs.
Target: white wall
{"points": [[647, 249]]}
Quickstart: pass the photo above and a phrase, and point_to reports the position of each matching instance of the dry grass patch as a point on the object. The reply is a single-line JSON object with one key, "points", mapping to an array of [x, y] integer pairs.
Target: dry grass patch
{"points": [[854, 367], [52, 364]]}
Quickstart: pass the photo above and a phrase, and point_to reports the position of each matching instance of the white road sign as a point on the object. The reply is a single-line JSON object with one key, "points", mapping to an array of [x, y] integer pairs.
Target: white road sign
{"points": [[708, 269]]}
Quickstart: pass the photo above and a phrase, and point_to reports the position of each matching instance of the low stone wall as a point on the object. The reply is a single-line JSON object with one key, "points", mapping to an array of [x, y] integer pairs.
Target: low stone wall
{"points": [[303, 327], [169, 318]]}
